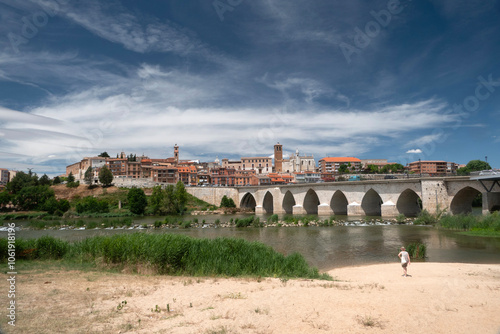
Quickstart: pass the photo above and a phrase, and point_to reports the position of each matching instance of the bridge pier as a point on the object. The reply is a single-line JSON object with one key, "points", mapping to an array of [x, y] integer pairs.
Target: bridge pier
{"points": [[491, 202], [298, 210], [354, 209], [324, 210], [389, 209], [259, 210]]}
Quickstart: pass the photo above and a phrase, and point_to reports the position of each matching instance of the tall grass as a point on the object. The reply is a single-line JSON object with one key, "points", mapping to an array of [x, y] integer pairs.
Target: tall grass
{"points": [[172, 254], [417, 250], [489, 222]]}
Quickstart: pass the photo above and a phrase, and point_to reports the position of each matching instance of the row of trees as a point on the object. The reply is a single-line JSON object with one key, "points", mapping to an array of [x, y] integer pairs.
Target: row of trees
{"points": [[28, 192]]}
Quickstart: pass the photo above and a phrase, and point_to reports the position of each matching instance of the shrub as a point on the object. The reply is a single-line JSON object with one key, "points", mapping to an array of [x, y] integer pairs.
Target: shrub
{"points": [[417, 250], [273, 218], [90, 204]]}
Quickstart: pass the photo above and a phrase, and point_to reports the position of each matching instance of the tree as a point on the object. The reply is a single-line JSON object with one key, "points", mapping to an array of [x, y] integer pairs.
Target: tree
{"points": [[56, 180], [137, 201], [477, 165], [44, 180], [20, 181], [343, 169], [227, 202], [89, 176], [104, 155], [180, 197], [5, 198], [156, 200], [33, 197], [105, 176], [473, 166]]}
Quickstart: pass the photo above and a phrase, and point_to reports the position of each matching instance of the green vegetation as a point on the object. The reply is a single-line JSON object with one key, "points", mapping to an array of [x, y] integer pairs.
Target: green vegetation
{"points": [[417, 250], [170, 254], [91, 204], [473, 166], [227, 202], [488, 225], [137, 201], [105, 176], [171, 200]]}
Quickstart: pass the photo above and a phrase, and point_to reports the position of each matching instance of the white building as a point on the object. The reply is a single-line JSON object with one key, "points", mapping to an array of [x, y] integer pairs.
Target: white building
{"points": [[297, 163]]}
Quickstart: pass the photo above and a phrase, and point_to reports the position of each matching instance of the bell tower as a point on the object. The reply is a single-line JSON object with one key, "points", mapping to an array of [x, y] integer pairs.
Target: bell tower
{"points": [[176, 154], [278, 158]]}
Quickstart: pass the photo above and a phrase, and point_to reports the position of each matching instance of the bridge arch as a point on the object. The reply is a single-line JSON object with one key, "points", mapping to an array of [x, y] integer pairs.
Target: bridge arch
{"points": [[248, 202], [462, 201], [339, 203], [372, 203], [267, 203], [311, 202], [408, 203], [288, 203]]}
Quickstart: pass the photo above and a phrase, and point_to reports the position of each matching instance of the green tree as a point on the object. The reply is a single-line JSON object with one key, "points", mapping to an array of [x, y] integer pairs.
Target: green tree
{"points": [[137, 201], [105, 176], [104, 155], [56, 180], [89, 176], [20, 181], [180, 197], [227, 202], [91, 204], [71, 178], [5, 198], [343, 169], [33, 197], [45, 180], [477, 165], [156, 200], [473, 166]]}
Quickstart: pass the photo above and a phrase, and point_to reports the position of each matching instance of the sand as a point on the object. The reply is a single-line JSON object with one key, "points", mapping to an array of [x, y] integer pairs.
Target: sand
{"points": [[437, 298]]}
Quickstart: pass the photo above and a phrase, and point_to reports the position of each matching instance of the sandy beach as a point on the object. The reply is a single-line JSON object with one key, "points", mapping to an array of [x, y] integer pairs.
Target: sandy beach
{"points": [[437, 298]]}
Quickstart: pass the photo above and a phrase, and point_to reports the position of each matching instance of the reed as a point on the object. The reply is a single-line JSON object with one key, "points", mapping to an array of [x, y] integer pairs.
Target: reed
{"points": [[487, 223], [173, 254], [417, 250]]}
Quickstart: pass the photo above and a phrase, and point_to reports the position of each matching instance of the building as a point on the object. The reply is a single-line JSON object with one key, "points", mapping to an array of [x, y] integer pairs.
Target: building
{"points": [[261, 165], [233, 164], [4, 176], [332, 164], [188, 175], [223, 177], [278, 158], [297, 163], [433, 167], [307, 177]]}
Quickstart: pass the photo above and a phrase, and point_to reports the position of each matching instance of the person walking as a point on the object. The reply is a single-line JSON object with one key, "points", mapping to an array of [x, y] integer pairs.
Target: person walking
{"points": [[405, 260]]}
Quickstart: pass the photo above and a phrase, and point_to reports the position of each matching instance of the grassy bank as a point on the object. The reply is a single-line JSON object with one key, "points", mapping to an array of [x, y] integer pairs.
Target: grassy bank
{"points": [[487, 225], [169, 254]]}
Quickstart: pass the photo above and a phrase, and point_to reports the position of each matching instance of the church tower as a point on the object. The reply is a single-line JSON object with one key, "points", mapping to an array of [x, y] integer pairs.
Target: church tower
{"points": [[176, 154], [278, 158]]}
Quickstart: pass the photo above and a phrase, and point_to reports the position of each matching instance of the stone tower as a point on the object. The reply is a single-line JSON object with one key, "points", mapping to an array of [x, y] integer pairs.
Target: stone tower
{"points": [[278, 158], [176, 154]]}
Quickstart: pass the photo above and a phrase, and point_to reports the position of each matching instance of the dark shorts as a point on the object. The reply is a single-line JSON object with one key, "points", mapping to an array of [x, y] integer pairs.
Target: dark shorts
{"points": [[404, 265]]}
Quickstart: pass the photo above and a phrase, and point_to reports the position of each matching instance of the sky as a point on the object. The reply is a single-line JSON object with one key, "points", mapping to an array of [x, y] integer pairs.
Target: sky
{"points": [[397, 80]]}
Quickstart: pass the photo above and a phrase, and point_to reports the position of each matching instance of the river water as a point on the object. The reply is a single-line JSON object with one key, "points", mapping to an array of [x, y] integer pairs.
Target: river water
{"points": [[325, 247]]}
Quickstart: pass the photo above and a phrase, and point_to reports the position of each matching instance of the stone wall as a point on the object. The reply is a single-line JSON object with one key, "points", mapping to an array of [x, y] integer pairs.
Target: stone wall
{"points": [[213, 195]]}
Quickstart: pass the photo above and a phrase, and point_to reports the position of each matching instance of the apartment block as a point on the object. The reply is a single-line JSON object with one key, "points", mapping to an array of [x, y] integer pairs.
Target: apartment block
{"points": [[433, 167], [332, 164], [4, 176]]}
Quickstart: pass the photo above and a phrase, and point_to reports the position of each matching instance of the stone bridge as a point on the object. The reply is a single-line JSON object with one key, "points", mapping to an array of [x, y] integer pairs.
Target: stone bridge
{"points": [[387, 198]]}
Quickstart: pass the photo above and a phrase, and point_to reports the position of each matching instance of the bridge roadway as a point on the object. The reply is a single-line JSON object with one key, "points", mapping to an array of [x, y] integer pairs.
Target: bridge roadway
{"points": [[387, 198]]}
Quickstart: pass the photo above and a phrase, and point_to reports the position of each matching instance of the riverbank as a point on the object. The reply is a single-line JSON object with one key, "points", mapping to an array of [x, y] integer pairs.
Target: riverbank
{"points": [[437, 298]]}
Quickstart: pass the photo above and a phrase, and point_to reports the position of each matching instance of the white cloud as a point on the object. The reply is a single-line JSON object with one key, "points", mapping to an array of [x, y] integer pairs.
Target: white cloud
{"points": [[414, 151]]}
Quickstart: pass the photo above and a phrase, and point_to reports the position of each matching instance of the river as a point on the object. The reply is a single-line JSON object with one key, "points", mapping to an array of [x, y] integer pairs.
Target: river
{"points": [[326, 247]]}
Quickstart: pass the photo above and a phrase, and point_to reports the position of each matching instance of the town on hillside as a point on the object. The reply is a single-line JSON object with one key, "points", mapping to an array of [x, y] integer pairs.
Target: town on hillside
{"points": [[142, 171]]}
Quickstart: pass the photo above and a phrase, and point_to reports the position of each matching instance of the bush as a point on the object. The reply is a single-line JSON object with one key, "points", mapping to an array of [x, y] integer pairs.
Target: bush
{"points": [[227, 202], [272, 219], [137, 201], [90, 204]]}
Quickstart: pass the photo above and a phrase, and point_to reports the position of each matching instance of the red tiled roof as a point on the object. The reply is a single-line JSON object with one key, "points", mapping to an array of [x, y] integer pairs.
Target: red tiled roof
{"points": [[340, 159]]}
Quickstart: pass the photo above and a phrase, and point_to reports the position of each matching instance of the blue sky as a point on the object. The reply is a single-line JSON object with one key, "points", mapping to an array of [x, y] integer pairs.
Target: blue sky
{"points": [[230, 78]]}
